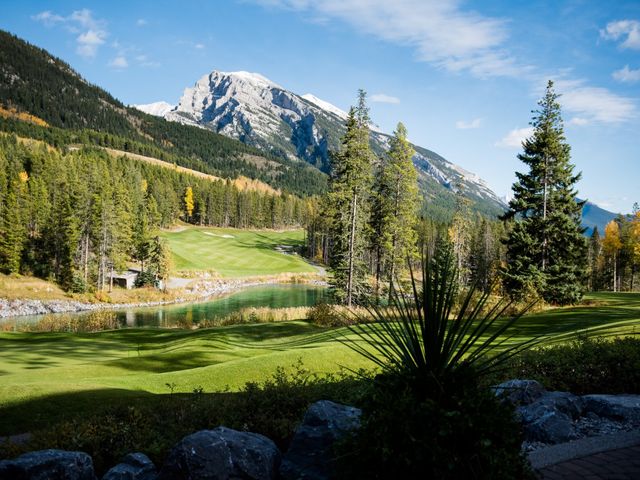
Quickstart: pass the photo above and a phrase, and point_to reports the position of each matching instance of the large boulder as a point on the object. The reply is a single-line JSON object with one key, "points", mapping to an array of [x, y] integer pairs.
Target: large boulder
{"points": [[222, 454], [48, 465], [548, 425], [310, 455], [549, 419], [135, 466], [616, 407], [519, 392]]}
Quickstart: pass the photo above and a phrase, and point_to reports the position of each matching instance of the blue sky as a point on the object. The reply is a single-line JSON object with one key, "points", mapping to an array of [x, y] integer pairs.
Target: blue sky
{"points": [[462, 75]]}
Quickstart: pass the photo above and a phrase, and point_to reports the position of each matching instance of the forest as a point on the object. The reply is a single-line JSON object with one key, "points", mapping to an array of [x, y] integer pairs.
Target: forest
{"points": [[74, 216]]}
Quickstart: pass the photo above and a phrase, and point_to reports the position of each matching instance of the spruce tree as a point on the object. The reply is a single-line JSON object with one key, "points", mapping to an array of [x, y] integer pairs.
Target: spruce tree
{"points": [[546, 249], [394, 216], [349, 205]]}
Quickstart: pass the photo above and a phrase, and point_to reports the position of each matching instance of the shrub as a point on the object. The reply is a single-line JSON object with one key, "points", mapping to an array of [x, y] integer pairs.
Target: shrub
{"points": [[466, 433], [427, 415], [587, 365]]}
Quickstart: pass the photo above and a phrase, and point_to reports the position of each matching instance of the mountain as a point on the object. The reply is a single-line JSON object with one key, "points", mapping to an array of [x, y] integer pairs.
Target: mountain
{"points": [[259, 112], [42, 97], [157, 109], [594, 216]]}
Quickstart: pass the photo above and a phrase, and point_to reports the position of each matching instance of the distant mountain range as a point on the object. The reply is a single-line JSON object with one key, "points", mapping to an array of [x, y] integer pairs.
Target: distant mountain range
{"points": [[594, 216], [259, 112]]}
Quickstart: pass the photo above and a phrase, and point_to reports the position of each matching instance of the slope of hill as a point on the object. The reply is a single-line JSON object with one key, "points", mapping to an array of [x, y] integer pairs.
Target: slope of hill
{"points": [[251, 108], [36, 83], [594, 216]]}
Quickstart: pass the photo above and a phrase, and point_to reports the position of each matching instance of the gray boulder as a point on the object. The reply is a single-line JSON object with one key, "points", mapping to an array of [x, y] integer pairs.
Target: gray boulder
{"points": [[551, 426], [48, 465], [519, 392], [616, 407], [135, 466], [550, 418], [222, 454], [310, 455]]}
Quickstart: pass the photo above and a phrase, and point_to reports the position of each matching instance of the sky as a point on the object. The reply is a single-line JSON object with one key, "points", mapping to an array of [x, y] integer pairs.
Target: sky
{"points": [[463, 76]]}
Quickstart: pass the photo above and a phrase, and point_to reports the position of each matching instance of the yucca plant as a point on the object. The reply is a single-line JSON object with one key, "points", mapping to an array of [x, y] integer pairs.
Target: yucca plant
{"points": [[423, 334]]}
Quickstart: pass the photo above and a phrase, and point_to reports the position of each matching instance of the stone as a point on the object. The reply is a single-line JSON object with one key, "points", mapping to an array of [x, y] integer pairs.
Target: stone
{"points": [[48, 465], [519, 392], [565, 402], [135, 466], [222, 453], [551, 427], [310, 455], [615, 407]]}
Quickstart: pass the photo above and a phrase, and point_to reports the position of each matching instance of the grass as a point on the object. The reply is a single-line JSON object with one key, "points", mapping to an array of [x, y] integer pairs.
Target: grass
{"points": [[45, 377], [234, 253]]}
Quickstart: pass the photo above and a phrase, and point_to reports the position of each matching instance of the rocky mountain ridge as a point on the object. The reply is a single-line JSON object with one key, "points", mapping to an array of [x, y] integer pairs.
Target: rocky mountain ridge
{"points": [[259, 112]]}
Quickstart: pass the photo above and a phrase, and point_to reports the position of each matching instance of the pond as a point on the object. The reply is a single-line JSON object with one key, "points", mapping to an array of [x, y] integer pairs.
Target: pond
{"points": [[188, 314]]}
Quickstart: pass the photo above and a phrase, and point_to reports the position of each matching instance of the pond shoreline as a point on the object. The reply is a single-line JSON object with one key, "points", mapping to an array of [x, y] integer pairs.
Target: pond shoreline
{"points": [[201, 291]]}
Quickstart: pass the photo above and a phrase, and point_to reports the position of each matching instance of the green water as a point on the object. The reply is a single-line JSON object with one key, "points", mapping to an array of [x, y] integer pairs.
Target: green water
{"points": [[188, 314]]}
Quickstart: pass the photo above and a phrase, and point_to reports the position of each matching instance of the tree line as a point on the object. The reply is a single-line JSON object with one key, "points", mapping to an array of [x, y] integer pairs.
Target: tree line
{"points": [[614, 259], [368, 230], [76, 216]]}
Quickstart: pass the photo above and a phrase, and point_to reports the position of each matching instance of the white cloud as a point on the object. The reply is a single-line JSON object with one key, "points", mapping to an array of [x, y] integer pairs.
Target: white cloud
{"points": [[89, 41], [514, 138], [464, 125], [141, 22], [578, 121], [91, 32], [594, 104], [48, 18], [440, 31], [119, 62], [627, 75], [629, 30], [145, 61], [384, 98], [199, 46]]}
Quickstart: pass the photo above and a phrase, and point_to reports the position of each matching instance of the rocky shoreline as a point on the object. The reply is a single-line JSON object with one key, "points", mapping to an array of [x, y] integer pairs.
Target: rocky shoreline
{"points": [[200, 291]]}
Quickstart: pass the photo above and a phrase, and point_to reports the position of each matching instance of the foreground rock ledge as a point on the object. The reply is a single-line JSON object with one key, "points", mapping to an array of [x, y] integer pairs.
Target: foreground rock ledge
{"points": [[310, 455], [48, 465], [222, 454]]}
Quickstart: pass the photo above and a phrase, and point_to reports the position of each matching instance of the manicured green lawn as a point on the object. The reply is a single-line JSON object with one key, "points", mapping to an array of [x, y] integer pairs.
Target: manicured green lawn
{"points": [[44, 376], [236, 253]]}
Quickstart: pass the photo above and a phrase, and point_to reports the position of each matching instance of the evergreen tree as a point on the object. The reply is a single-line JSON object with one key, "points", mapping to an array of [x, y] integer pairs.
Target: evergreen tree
{"points": [[546, 249], [348, 198], [394, 216]]}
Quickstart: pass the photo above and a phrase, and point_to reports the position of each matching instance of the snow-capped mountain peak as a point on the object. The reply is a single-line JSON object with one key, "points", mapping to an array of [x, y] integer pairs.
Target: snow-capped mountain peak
{"points": [[159, 109], [255, 110], [318, 102]]}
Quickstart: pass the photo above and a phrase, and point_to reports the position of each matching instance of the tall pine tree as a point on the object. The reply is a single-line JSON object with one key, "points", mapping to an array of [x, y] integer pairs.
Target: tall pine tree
{"points": [[349, 201], [546, 249]]}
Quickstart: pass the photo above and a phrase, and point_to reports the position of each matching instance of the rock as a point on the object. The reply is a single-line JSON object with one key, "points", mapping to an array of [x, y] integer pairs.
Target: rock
{"points": [[519, 392], [565, 402], [549, 418], [135, 466], [551, 427], [615, 407], [48, 465], [310, 454], [220, 454]]}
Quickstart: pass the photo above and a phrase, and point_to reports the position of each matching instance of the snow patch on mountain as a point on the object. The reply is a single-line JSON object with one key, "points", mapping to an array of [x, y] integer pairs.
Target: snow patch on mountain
{"points": [[324, 105], [158, 109]]}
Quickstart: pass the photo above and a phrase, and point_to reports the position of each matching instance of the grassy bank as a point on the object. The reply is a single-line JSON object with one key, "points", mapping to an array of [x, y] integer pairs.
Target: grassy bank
{"points": [[233, 253], [48, 376]]}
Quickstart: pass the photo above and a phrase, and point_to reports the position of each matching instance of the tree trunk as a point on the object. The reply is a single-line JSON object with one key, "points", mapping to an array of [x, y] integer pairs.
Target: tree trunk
{"points": [[354, 209], [544, 215]]}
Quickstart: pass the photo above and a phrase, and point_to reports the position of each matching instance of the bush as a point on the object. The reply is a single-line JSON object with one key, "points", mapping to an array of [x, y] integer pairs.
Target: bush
{"points": [[587, 365], [152, 424], [146, 279], [420, 433]]}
